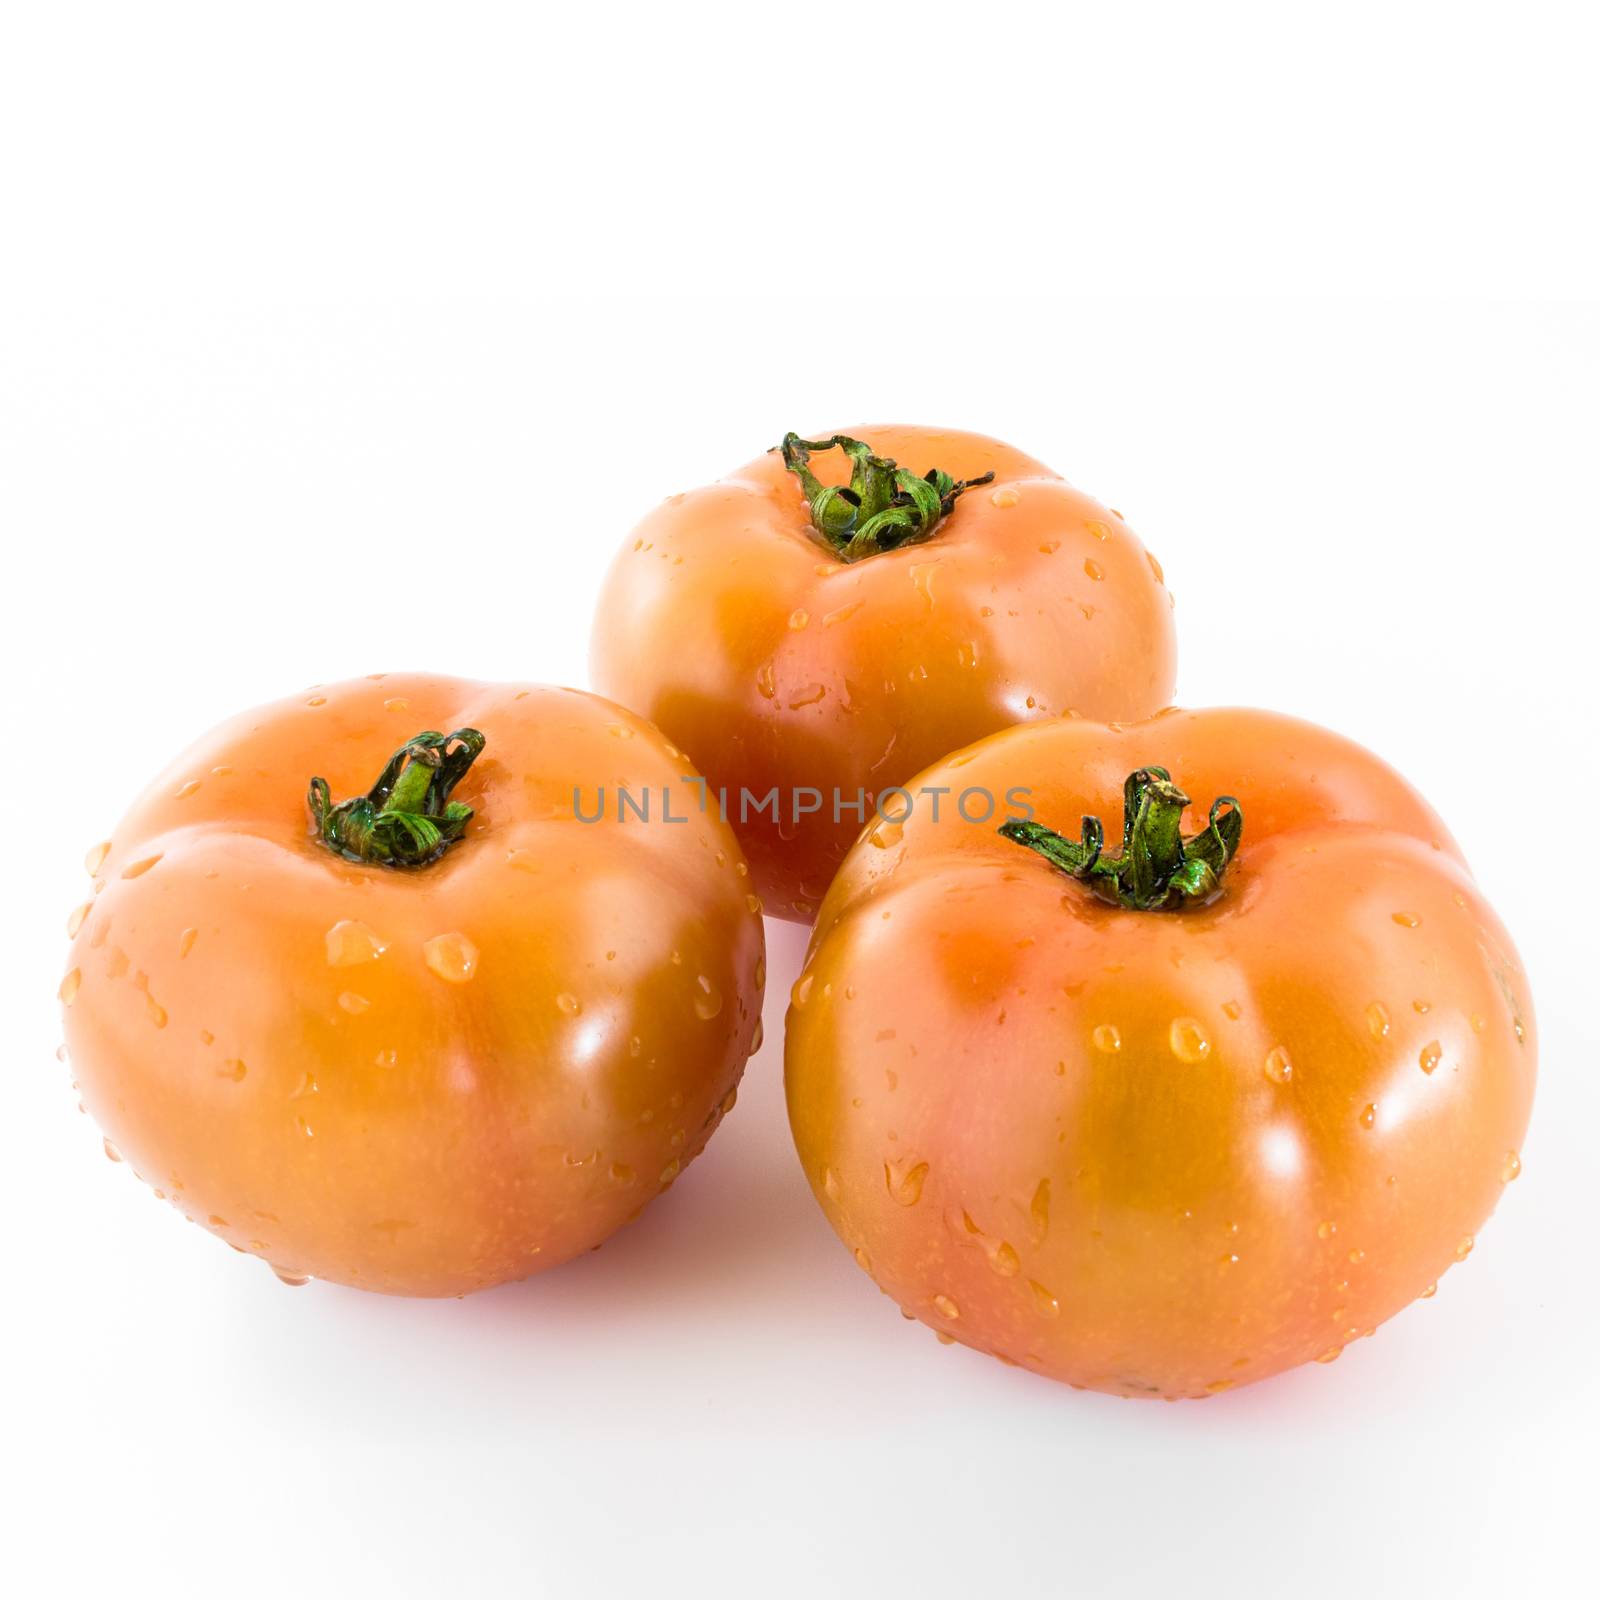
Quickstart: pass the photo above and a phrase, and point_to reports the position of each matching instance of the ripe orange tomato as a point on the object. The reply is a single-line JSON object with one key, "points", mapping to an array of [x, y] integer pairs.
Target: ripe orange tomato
{"points": [[1161, 1151], [826, 643], [432, 1038]]}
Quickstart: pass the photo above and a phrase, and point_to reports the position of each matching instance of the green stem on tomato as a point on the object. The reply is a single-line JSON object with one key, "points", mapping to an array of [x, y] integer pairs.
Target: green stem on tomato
{"points": [[1157, 867], [883, 507], [407, 818]]}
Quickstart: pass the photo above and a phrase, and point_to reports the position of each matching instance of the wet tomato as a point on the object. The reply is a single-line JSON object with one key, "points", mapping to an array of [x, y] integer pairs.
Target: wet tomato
{"points": [[822, 623], [433, 1037], [1168, 1117]]}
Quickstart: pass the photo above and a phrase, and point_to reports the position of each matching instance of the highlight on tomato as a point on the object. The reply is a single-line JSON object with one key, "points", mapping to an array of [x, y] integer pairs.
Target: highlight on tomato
{"points": [[841, 612], [1170, 1114], [413, 1010]]}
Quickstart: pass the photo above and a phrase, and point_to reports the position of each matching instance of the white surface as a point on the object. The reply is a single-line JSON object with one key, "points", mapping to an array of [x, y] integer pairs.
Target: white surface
{"points": [[293, 386]]}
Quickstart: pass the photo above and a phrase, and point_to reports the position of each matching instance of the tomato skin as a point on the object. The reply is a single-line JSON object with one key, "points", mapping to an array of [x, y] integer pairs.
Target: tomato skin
{"points": [[1163, 1153], [728, 623], [422, 1118]]}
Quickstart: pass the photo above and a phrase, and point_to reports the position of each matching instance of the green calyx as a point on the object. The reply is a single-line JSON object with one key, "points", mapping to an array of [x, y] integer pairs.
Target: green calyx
{"points": [[883, 507], [1157, 867], [407, 818]]}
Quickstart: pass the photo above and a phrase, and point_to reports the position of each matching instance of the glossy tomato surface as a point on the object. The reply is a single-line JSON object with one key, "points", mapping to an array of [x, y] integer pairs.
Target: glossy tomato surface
{"points": [[419, 1080], [776, 664], [1162, 1152]]}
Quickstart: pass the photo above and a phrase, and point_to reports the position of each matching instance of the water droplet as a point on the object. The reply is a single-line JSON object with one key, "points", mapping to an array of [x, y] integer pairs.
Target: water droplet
{"points": [[155, 1011], [1044, 1302], [1429, 1292], [810, 695], [1356, 1257], [1421, 1007], [452, 956], [112, 1153], [351, 943], [1464, 1247], [621, 1172], [1004, 498], [1095, 570], [946, 1307], [1188, 1040], [758, 1037], [1232, 1010], [1369, 1116], [730, 1100], [186, 941], [885, 835], [798, 619], [830, 1184], [904, 1180], [861, 1259], [1432, 1052], [96, 857], [767, 681], [753, 904], [1478, 1024], [397, 704], [1049, 547], [1377, 1021], [1039, 1212], [1407, 919], [801, 991], [1331, 1354], [68, 992], [355, 1004], [1326, 1230], [1005, 1260], [1511, 1167], [234, 1070], [671, 1170], [569, 1004], [842, 612], [1278, 1067], [221, 772], [1107, 1040], [75, 921], [295, 1280], [137, 869], [1155, 568]]}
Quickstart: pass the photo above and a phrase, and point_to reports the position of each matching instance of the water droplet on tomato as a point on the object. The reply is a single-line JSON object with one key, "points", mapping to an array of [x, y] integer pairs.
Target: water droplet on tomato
{"points": [[350, 943], [1407, 919], [1511, 1167], [354, 1003], [946, 1307], [1094, 570], [1005, 498], [1369, 1116], [451, 956], [137, 869], [1107, 1039], [758, 1037], [569, 1005], [904, 1180], [1432, 1053], [801, 991], [1044, 1302], [1377, 1020], [295, 1280], [1188, 1040], [112, 1153], [1464, 1247], [68, 992], [799, 618], [1278, 1067], [96, 857]]}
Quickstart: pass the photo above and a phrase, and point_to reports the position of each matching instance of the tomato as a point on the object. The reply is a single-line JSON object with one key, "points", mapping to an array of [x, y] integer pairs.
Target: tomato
{"points": [[1180, 1115], [811, 648], [430, 1040]]}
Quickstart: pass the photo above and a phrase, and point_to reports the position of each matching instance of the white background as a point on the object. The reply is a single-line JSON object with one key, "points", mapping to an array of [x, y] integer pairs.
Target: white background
{"points": [[321, 353]]}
